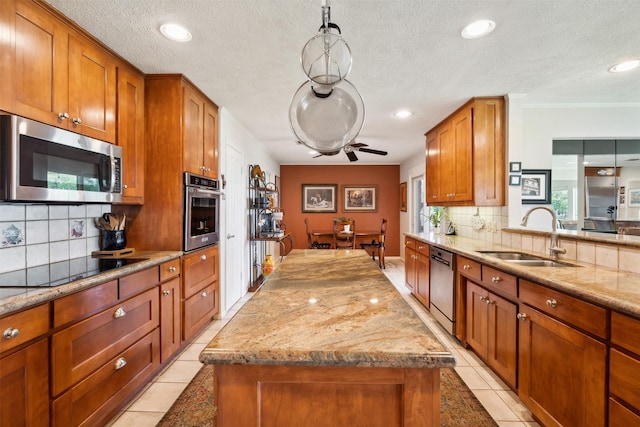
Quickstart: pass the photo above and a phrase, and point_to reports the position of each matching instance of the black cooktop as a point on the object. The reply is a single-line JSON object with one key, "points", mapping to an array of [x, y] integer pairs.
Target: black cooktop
{"points": [[63, 272]]}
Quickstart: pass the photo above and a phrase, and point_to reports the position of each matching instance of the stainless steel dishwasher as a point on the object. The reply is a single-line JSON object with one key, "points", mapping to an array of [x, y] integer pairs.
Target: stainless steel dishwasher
{"points": [[442, 289]]}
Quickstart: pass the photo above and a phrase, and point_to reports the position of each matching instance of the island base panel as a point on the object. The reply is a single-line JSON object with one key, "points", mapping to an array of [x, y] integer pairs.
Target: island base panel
{"points": [[265, 396]]}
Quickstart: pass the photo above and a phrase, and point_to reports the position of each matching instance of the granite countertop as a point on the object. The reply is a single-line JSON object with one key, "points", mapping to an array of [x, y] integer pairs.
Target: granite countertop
{"points": [[14, 299], [610, 288], [328, 308]]}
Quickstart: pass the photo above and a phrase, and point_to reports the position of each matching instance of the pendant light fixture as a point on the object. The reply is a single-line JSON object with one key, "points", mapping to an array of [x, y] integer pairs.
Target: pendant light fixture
{"points": [[327, 111]]}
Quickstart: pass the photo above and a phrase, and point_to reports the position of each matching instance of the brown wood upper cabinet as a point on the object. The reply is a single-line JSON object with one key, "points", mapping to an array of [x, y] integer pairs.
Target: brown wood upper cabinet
{"points": [[131, 133], [54, 74], [465, 162]]}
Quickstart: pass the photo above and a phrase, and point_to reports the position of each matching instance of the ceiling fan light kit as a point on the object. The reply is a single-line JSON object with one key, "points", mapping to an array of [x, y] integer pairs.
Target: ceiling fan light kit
{"points": [[327, 111]]}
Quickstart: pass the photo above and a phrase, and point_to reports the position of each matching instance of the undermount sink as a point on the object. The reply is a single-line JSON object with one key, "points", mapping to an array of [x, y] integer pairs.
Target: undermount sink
{"points": [[526, 259]]}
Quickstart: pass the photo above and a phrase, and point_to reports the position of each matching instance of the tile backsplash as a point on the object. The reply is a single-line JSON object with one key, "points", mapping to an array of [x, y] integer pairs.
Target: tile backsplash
{"points": [[34, 235]]}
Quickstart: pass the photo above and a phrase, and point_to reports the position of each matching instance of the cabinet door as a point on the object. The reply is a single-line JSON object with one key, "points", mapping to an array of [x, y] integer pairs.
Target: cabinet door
{"points": [[446, 163], [192, 131], [92, 90], [502, 338], [422, 279], [169, 318], [459, 167], [24, 387], [410, 268], [489, 152], [561, 372], [34, 65], [433, 168], [210, 141], [131, 134], [477, 319]]}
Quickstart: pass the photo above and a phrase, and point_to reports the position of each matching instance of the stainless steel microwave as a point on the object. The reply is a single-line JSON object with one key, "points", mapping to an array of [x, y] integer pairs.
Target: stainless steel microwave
{"points": [[42, 163]]}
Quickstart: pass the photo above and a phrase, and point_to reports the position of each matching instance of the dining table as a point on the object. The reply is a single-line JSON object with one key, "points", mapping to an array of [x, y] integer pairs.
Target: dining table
{"points": [[363, 235]]}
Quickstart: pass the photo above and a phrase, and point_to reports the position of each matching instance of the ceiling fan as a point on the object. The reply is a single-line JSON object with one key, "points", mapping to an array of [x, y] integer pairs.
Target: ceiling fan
{"points": [[350, 150]]}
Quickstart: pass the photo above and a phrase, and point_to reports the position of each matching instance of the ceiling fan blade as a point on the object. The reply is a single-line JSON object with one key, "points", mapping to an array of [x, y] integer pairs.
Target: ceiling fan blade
{"points": [[351, 155], [358, 145], [372, 151]]}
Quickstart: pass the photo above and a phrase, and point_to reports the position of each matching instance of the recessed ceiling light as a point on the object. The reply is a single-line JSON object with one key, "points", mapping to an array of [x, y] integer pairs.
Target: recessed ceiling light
{"points": [[403, 114], [478, 29], [175, 32], [625, 66]]}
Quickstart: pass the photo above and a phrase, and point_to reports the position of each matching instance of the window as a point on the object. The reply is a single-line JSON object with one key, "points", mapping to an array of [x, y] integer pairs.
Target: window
{"points": [[418, 208]]}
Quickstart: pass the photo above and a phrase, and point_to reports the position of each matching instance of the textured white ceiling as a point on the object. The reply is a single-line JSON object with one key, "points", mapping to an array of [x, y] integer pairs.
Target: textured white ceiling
{"points": [[406, 54]]}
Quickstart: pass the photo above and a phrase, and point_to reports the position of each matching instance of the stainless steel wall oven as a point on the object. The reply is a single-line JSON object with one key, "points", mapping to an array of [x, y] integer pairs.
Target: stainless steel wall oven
{"points": [[201, 211]]}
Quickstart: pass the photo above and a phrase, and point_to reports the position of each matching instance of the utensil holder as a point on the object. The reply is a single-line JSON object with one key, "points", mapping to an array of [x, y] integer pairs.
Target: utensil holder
{"points": [[112, 240]]}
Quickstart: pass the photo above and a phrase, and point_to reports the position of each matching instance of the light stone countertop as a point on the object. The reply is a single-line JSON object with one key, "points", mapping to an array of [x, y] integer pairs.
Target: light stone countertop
{"points": [[14, 299], [610, 288], [328, 308]]}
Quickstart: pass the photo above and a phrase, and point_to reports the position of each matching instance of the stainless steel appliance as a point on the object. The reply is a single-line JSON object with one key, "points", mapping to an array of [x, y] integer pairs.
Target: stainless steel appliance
{"points": [[441, 288], [41, 163], [201, 211]]}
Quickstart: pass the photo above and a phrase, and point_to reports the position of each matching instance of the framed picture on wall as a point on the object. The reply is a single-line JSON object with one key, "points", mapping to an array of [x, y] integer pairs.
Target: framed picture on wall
{"points": [[319, 198], [360, 198], [536, 186], [634, 197], [403, 197]]}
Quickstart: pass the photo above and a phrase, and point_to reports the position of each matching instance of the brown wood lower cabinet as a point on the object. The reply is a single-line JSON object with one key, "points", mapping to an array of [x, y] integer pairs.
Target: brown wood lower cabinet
{"points": [[624, 371], [326, 396], [200, 290], [417, 269], [491, 331], [562, 371], [24, 387], [169, 318]]}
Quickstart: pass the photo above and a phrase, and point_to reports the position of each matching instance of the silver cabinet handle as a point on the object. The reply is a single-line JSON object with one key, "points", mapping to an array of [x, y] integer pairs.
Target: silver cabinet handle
{"points": [[230, 236], [483, 298], [172, 269], [11, 333], [166, 293], [552, 303], [63, 116], [496, 279], [466, 267], [76, 121], [204, 294], [203, 257], [125, 186], [121, 312], [522, 316], [120, 363]]}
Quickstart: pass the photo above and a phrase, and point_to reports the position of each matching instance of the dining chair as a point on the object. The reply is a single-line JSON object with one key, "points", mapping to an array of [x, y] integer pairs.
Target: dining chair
{"points": [[312, 242], [343, 239], [376, 247]]}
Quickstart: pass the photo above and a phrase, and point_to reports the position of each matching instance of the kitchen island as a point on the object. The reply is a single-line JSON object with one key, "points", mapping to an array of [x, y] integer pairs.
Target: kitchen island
{"points": [[327, 341]]}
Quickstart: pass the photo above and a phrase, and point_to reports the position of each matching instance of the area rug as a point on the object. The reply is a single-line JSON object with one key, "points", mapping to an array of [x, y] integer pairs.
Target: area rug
{"points": [[194, 407]]}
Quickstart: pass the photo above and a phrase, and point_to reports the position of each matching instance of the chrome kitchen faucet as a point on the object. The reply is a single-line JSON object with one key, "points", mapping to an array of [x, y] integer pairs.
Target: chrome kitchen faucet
{"points": [[554, 249]]}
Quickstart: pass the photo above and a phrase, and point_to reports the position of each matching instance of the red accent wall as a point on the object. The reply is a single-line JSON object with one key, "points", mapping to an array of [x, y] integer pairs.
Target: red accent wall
{"points": [[387, 177]]}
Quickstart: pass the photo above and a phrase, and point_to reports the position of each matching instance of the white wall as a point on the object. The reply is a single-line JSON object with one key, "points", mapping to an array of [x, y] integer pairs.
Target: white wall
{"points": [[232, 133], [412, 168]]}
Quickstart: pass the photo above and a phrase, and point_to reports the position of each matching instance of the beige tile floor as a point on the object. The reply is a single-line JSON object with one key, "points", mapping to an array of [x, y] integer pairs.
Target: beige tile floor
{"points": [[502, 403]]}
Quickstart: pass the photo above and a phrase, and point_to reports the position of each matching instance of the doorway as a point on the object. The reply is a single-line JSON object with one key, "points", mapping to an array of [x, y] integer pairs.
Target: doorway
{"points": [[234, 230]]}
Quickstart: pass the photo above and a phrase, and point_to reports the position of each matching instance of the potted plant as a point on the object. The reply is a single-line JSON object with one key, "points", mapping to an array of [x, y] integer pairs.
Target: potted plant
{"points": [[435, 217]]}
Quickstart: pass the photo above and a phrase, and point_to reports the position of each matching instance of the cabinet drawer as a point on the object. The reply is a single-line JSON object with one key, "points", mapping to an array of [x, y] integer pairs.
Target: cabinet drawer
{"points": [[584, 315], [138, 282], [18, 328], [409, 242], [199, 310], [199, 270], [84, 303], [94, 400], [169, 269], [619, 416], [625, 332], [469, 268], [500, 281], [81, 348], [624, 378], [422, 248]]}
